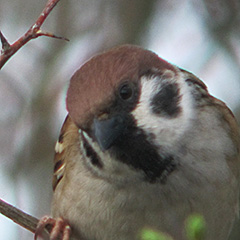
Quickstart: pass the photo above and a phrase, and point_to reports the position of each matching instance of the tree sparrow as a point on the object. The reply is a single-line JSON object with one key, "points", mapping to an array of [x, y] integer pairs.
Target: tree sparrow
{"points": [[144, 145]]}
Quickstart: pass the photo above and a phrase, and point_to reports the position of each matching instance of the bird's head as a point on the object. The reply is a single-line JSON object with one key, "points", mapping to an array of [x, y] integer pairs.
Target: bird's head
{"points": [[132, 109]]}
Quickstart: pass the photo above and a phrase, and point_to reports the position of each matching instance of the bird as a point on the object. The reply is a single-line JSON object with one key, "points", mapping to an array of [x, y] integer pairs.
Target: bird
{"points": [[144, 145]]}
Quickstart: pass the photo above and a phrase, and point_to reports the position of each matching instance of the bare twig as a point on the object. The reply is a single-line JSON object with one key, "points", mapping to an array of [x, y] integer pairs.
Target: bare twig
{"points": [[8, 50], [23, 219], [18, 216]]}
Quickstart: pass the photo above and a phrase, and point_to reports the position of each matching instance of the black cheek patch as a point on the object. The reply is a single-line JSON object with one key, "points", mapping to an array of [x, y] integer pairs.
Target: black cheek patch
{"points": [[166, 101]]}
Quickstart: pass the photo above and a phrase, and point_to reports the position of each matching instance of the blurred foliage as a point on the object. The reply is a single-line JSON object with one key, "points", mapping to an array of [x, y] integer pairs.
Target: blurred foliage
{"points": [[148, 234], [195, 227]]}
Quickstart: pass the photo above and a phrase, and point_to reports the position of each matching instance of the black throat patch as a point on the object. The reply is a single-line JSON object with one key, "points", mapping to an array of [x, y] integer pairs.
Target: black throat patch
{"points": [[133, 148]]}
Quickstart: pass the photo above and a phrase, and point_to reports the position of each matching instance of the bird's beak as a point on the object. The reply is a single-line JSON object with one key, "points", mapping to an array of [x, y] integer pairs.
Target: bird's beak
{"points": [[107, 131]]}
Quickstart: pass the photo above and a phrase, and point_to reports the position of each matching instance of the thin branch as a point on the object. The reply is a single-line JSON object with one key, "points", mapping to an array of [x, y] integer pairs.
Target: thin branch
{"points": [[18, 216], [21, 218], [8, 50]]}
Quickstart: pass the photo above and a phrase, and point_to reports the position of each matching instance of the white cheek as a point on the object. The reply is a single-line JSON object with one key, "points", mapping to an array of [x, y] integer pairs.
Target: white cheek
{"points": [[166, 130]]}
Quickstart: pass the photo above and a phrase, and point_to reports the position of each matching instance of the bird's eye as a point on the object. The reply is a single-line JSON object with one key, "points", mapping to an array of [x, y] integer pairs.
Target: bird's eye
{"points": [[126, 91]]}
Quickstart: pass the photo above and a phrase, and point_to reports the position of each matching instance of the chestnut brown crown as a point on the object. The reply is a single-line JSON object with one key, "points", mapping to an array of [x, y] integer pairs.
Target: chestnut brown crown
{"points": [[94, 84]]}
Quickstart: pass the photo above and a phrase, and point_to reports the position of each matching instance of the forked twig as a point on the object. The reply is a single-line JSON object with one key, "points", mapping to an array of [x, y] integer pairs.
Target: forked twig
{"points": [[8, 50]]}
